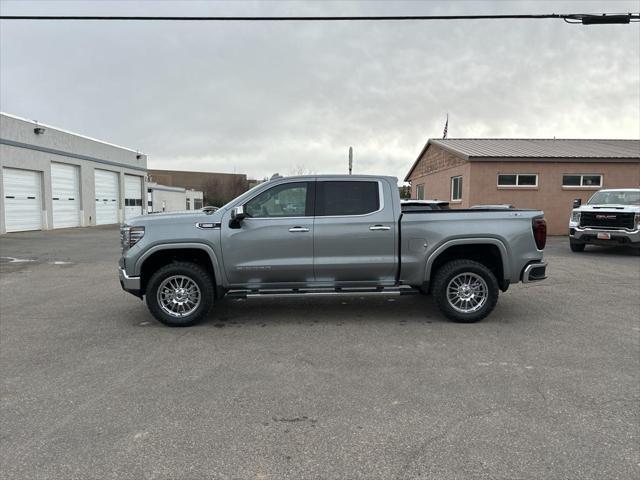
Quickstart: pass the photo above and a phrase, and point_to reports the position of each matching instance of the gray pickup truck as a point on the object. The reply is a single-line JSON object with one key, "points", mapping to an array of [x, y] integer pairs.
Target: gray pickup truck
{"points": [[333, 234]]}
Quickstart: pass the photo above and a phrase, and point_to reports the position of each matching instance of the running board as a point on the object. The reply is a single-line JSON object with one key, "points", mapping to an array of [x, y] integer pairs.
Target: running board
{"points": [[296, 292]]}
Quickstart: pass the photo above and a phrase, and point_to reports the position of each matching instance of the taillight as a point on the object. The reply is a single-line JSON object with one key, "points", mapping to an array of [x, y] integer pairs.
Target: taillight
{"points": [[540, 232]]}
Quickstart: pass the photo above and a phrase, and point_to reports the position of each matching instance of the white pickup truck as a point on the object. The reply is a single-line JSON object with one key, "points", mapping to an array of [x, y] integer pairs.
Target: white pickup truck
{"points": [[610, 217]]}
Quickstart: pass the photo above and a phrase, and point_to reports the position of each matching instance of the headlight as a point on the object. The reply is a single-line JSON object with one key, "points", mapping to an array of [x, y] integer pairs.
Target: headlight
{"points": [[575, 218], [129, 236]]}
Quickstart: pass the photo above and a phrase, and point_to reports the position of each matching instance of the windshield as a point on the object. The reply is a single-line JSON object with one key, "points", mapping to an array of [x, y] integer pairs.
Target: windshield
{"points": [[615, 197], [244, 195]]}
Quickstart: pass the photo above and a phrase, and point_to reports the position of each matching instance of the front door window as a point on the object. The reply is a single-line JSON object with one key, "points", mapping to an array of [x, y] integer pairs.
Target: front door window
{"points": [[288, 200]]}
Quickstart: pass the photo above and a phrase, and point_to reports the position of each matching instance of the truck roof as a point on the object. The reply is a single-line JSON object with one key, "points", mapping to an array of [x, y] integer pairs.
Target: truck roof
{"points": [[337, 175]]}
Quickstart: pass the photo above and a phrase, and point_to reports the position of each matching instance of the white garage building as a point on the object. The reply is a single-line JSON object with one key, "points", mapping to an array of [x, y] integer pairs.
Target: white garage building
{"points": [[163, 198], [52, 178]]}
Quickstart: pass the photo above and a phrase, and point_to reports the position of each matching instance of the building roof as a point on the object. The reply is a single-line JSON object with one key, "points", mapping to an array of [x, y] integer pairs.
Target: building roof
{"points": [[536, 148], [40, 124], [542, 147], [166, 188]]}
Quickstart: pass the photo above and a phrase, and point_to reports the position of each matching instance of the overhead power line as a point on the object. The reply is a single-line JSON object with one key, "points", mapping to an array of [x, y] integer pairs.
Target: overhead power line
{"points": [[583, 18]]}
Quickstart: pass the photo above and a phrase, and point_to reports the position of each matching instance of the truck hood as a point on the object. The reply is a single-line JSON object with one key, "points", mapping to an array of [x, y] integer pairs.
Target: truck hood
{"points": [[175, 218], [609, 208]]}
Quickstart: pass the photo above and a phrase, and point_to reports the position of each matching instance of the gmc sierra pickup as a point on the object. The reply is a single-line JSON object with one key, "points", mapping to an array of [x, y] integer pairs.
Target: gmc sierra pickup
{"points": [[610, 217], [338, 234]]}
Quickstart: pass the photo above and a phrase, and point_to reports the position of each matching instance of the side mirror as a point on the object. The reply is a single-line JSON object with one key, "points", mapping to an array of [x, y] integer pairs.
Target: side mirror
{"points": [[237, 213], [577, 202]]}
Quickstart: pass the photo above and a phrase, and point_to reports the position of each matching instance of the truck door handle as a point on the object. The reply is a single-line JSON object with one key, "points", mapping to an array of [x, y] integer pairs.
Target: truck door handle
{"points": [[298, 229], [379, 227]]}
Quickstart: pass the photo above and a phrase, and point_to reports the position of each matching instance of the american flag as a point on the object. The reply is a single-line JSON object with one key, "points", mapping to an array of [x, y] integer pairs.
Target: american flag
{"points": [[446, 127]]}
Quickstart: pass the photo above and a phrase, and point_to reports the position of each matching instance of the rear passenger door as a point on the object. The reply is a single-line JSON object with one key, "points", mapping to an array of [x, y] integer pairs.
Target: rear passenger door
{"points": [[354, 234]]}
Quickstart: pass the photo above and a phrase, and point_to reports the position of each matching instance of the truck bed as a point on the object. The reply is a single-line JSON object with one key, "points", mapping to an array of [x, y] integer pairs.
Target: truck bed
{"points": [[416, 209]]}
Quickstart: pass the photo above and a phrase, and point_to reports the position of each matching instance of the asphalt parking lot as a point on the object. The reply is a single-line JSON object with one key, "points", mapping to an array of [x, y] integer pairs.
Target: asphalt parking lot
{"points": [[374, 388]]}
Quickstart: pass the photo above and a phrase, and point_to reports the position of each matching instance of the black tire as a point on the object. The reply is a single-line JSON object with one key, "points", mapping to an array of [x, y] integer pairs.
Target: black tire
{"points": [[449, 271], [183, 269], [576, 246]]}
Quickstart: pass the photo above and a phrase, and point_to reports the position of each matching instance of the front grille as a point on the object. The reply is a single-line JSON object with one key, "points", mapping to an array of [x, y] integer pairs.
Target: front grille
{"points": [[615, 220]]}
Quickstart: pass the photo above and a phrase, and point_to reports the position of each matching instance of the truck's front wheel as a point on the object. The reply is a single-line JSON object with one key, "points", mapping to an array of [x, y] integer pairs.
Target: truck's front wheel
{"points": [[180, 294], [465, 291]]}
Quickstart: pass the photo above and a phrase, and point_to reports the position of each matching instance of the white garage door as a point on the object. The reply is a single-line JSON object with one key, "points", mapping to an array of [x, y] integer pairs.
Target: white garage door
{"points": [[22, 200], [132, 196], [106, 197], [65, 192]]}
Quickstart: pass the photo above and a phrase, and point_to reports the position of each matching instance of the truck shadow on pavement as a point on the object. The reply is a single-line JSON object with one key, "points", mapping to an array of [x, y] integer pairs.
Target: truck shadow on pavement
{"points": [[560, 245], [607, 251], [310, 311]]}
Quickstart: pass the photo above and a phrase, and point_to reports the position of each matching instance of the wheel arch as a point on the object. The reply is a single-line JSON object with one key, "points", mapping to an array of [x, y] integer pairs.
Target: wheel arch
{"points": [[160, 255], [491, 252]]}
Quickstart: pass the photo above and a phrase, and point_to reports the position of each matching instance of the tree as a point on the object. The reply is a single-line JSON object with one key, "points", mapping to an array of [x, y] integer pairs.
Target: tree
{"points": [[405, 192], [213, 192], [219, 189]]}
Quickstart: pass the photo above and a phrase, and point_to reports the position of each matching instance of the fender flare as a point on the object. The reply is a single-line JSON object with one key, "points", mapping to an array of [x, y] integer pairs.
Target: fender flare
{"points": [[502, 248], [219, 279]]}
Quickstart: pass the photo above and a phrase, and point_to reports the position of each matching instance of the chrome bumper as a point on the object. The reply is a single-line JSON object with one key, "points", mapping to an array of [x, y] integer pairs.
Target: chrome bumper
{"points": [[590, 235], [130, 284], [534, 272]]}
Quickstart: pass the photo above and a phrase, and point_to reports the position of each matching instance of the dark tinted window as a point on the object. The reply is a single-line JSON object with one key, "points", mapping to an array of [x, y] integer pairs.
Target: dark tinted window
{"points": [[528, 180], [592, 180], [506, 180], [456, 188], [571, 180], [347, 198]]}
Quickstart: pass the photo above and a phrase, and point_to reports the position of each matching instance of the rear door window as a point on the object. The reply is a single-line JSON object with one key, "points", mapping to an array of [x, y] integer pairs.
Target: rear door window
{"points": [[339, 198]]}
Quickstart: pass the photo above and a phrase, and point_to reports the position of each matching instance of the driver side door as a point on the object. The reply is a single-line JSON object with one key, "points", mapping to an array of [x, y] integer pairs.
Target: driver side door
{"points": [[273, 245]]}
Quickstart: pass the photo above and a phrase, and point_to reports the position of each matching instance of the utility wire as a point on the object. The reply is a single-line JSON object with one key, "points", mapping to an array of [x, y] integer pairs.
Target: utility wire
{"points": [[586, 19]]}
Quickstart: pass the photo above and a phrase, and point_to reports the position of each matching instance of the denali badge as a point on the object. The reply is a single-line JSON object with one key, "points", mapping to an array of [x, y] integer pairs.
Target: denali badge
{"points": [[606, 217]]}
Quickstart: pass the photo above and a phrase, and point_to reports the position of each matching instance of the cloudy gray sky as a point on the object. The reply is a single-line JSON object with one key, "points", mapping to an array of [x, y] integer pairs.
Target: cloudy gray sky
{"points": [[259, 98]]}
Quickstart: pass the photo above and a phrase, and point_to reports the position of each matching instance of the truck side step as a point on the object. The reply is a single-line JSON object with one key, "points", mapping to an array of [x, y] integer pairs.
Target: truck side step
{"points": [[296, 292]]}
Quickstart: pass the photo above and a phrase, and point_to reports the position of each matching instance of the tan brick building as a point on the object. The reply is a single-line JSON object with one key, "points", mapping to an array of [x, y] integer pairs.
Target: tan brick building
{"points": [[527, 173]]}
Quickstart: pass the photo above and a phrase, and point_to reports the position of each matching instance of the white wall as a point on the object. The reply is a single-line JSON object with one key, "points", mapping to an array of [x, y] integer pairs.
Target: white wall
{"points": [[192, 195], [20, 147], [167, 199]]}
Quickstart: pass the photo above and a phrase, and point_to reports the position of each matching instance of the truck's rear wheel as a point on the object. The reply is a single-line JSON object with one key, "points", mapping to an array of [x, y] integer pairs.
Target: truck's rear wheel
{"points": [[576, 246], [465, 291], [180, 294]]}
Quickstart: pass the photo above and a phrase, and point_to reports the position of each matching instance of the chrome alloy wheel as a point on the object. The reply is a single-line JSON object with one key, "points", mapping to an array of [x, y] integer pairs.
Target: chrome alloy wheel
{"points": [[179, 296], [467, 292]]}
